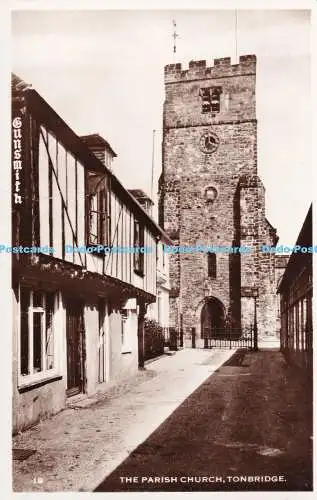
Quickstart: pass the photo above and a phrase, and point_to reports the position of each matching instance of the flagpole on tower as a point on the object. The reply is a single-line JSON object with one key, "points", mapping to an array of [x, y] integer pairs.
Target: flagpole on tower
{"points": [[153, 160], [236, 36]]}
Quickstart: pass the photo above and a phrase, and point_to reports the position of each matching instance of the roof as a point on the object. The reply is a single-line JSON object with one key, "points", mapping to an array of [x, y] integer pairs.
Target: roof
{"points": [[298, 260], [44, 112], [18, 84], [98, 141], [140, 195]]}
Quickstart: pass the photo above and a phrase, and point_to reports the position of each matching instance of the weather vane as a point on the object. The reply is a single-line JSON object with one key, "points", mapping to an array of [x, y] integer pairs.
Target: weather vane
{"points": [[175, 35]]}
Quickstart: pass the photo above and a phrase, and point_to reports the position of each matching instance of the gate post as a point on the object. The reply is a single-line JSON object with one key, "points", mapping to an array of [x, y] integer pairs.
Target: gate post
{"points": [[181, 338], [181, 332], [256, 337], [173, 339], [193, 338], [255, 326]]}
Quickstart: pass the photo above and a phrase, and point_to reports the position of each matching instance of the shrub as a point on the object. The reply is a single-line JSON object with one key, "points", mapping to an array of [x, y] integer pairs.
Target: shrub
{"points": [[153, 339]]}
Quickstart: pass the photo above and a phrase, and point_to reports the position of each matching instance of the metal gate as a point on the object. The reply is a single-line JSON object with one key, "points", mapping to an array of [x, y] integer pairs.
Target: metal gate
{"points": [[230, 338]]}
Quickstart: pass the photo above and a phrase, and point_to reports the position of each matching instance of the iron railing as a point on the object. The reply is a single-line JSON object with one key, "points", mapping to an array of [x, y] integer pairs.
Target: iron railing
{"points": [[173, 337], [225, 338]]}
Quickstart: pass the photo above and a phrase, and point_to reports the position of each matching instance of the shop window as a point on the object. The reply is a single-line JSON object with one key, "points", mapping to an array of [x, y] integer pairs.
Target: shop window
{"points": [[37, 357]]}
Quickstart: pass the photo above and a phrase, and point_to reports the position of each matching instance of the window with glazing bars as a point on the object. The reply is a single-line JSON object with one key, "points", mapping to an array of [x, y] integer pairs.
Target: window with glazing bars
{"points": [[36, 332], [97, 218], [138, 243], [210, 97]]}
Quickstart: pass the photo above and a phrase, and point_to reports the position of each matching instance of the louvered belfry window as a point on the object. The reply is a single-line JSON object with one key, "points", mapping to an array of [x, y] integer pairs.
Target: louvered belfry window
{"points": [[210, 99], [205, 98], [215, 99]]}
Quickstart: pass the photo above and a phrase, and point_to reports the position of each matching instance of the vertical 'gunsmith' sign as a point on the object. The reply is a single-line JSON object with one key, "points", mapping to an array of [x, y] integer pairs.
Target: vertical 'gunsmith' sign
{"points": [[17, 159]]}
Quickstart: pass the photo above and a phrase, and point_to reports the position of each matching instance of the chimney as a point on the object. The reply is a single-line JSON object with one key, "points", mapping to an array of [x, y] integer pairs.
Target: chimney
{"points": [[100, 148]]}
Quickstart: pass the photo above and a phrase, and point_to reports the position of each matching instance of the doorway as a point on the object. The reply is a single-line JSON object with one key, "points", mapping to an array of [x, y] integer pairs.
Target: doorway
{"points": [[212, 318], [75, 347]]}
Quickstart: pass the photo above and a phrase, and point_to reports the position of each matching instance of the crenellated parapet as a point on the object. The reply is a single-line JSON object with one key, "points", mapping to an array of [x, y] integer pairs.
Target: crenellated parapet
{"points": [[222, 67]]}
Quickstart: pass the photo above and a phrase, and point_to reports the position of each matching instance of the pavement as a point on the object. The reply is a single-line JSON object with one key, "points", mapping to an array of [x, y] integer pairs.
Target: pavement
{"points": [[76, 449]]}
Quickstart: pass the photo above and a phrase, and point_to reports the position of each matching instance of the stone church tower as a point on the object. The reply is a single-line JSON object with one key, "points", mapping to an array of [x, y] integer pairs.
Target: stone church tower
{"points": [[210, 195]]}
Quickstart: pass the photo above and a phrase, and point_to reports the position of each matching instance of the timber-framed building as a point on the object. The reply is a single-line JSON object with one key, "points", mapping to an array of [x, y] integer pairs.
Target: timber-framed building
{"points": [[77, 315]]}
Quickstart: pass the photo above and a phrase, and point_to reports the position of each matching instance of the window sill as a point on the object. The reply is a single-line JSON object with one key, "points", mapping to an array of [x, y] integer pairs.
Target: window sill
{"points": [[28, 386], [126, 350], [90, 245]]}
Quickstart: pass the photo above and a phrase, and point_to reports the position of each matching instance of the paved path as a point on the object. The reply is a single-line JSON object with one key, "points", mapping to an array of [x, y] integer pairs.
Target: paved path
{"points": [[247, 427], [78, 447]]}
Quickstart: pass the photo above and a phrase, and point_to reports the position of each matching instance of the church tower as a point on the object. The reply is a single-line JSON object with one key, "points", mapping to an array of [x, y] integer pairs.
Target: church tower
{"points": [[210, 195]]}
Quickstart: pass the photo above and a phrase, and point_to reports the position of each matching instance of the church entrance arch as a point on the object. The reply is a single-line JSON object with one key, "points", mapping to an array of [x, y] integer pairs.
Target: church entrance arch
{"points": [[212, 318]]}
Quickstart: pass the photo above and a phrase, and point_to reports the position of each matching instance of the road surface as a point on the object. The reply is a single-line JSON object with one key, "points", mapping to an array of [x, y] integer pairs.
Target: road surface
{"points": [[247, 427]]}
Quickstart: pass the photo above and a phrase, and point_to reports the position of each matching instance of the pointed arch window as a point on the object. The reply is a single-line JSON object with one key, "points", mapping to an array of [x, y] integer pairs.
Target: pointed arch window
{"points": [[212, 265]]}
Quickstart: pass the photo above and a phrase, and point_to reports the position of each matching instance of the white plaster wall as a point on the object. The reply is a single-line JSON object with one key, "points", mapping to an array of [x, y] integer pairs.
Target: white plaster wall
{"points": [[123, 364], [164, 307]]}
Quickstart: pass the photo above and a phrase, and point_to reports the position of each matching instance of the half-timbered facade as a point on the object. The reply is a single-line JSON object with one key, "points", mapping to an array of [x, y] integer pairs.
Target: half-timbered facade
{"points": [[84, 258], [158, 310]]}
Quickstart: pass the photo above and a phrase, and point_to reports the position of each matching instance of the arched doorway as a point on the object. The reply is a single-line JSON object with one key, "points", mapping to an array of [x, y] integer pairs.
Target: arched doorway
{"points": [[212, 318]]}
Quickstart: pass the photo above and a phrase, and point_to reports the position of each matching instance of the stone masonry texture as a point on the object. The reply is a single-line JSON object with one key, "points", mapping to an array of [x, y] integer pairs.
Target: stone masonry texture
{"points": [[236, 217]]}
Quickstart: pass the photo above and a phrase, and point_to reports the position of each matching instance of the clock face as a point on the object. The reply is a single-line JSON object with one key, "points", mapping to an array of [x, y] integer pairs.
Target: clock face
{"points": [[209, 142]]}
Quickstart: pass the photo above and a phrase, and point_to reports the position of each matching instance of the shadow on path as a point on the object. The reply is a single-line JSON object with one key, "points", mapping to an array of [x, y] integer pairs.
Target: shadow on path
{"points": [[247, 427]]}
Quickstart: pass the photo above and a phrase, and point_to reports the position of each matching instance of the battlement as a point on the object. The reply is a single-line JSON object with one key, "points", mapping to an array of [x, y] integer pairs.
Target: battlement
{"points": [[221, 68]]}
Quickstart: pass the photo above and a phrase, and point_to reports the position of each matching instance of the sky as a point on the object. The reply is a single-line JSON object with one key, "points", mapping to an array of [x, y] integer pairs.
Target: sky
{"points": [[102, 72]]}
